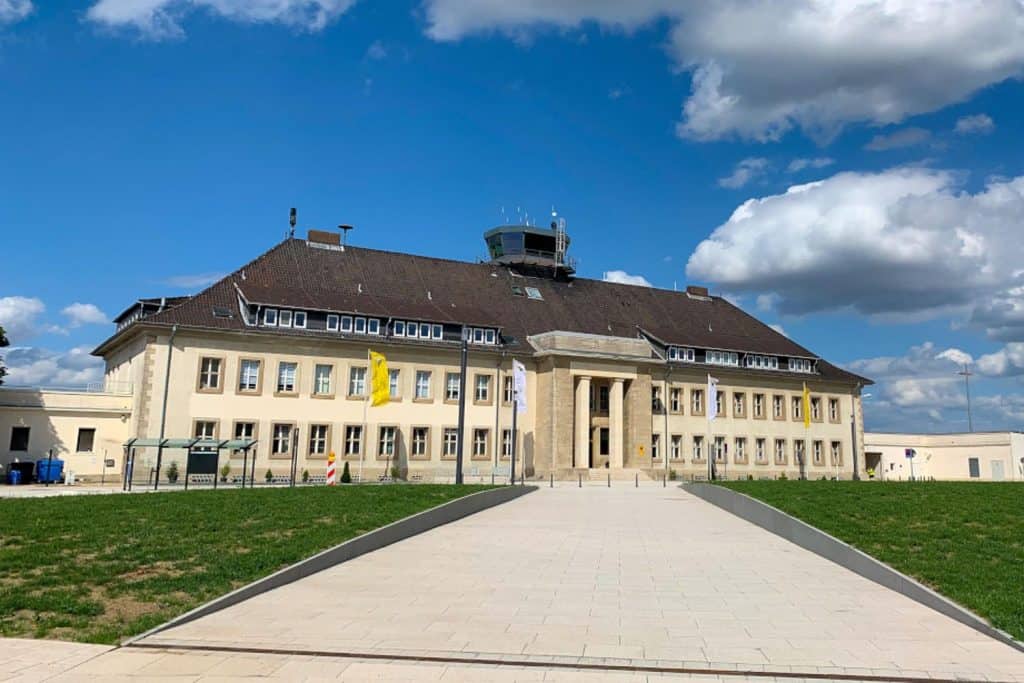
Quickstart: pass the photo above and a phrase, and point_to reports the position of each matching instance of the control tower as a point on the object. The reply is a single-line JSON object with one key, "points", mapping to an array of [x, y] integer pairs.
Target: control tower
{"points": [[532, 250]]}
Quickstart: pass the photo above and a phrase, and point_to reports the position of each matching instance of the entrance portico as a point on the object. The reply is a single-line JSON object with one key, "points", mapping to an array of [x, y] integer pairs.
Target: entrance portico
{"points": [[598, 425]]}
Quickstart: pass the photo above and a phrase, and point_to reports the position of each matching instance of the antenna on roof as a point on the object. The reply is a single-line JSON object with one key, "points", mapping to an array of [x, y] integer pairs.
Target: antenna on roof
{"points": [[291, 222], [344, 233]]}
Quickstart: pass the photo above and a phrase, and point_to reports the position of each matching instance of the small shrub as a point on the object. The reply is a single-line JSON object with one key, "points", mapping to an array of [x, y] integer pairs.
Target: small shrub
{"points": [[672, 475], [783, 477], [750, 477], [269, 476], [225, 471], [346, 477], [172, 472], [305, 476], [395, 473]]}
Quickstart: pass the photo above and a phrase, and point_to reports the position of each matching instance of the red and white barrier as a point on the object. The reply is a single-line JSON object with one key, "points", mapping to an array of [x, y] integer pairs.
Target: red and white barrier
{"points": [[331, 471]]}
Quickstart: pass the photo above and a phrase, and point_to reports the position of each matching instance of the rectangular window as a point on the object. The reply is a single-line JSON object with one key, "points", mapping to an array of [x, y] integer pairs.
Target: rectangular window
{"points": [[656, 404], [740, 446], [478, 336], [796, 406], [451, 386], [300, 319], [360, 325], [423, 385], [318, 439], [677, 447], [437, 331], [420, 436], [394, 387], [800, 452], [286, 377], [270, 317], [698, 448], [373, 326], [720, 404], [675, 400], [603, 441], [720, 449], [209, 374], [815, 408], [424, 331], [357, 381], [411, 329], [696, 401], [205, 430], [482, 389], [353, 439], [332, 322], [833, 410], [506, 443], [285, 320], [974, 468], [602, 398], [322, 385], [346, 323], [451, 442], [780, 451], [818, 453], [243, 430], [760, 453], [837, 453], [533, 293], [480, 439], [507, 390], [655, 446], [281, 443], [386, 442], [249, 375], [739, 402], [778, 407], [758, 406], [398, 328], [86, 439], [491, 338]]}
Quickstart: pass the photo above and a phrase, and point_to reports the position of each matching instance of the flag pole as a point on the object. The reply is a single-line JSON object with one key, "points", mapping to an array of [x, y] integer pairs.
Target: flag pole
{"points": [[366, 427]]}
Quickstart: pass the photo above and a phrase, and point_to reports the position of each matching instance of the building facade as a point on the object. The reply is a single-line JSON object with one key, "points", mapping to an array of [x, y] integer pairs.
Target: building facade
{"points": [[974, 456], [617, 375]]}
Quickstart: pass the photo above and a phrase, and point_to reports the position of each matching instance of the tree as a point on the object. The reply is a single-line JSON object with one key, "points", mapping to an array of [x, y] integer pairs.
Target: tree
{"points": [[3, 343]]}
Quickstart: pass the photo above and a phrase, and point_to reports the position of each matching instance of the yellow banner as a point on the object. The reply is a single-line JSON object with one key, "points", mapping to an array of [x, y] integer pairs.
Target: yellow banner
{"points": [[807, 407], [380, 384]]}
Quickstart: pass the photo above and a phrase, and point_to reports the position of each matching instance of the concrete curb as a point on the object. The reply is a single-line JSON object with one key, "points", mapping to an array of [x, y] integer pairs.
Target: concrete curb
{"points": [[350, 549], [818, 542]]}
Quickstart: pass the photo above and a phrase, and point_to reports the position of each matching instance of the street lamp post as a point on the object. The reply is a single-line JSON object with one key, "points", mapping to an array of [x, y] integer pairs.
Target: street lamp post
{"points": [[966, 374]]}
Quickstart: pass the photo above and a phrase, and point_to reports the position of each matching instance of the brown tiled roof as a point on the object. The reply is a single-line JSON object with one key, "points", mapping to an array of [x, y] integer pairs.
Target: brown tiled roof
{"points": [[390, 284]]}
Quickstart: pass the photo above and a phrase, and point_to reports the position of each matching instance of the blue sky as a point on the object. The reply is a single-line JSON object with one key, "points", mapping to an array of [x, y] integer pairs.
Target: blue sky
{"points": [[149, 145]]}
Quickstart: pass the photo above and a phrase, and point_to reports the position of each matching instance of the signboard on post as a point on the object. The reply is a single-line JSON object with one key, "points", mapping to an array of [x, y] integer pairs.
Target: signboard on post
{"points": [[910, 453]]}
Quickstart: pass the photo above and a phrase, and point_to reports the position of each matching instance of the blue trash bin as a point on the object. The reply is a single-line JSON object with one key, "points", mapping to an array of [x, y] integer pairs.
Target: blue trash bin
{"points": [[49, 471], [13, 477]]}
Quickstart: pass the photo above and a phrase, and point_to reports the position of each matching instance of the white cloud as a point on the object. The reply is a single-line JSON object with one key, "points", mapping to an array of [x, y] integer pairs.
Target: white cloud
{"points": [[979, 123], [13, 11], [744, 171], [905, 242], [779, 328], [194, 281], [84, 314], [1007, 361], [898, 139], [761, 69], [19, 317], [623, 278], [30, 366], [955, 356], [161, 19], [376, 51], [798, 165]]}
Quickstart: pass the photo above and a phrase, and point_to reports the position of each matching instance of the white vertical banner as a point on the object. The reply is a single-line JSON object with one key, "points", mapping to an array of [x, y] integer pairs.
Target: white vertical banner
{"points": [[519, 384], [712, 398]]}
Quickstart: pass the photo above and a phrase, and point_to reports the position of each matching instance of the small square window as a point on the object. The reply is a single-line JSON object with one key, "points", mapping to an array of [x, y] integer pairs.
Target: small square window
{"points": [[373, 326], [300, 319], [332, 322], [438, 332], [399, 328], [424, 331], [270, 317], [360, 325], [478, 335], [534, 293], [285, 320], [346, 323], [412, 330], [86, 440]]}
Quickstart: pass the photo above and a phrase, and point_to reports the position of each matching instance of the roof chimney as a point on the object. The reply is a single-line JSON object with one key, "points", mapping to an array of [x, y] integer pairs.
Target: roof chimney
{"points": [[324, 237], [693, 291]]}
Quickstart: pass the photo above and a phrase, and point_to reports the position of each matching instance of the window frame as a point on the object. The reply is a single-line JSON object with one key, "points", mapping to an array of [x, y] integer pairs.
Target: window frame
{"points": [[294, 391], [351, 385], [296, 316], [398, 328], [346, 324], [239, 389], [394, 432], [331, 388], [235, 452], [698, 404], [373, 326], [310, 453], [284, 318], [92, 440], [360, 439], [337, 322], [698, 452], [219, 374], [269, 313], [447, 431], [425, 455], [19, 429], [488, 398], [421, 374], [437, 332], [452, 395], [276, 454]]}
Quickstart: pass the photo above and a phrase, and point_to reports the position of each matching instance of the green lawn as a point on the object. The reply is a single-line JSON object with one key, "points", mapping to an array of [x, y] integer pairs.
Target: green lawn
{"points": [[962, 539], [100, 568]]}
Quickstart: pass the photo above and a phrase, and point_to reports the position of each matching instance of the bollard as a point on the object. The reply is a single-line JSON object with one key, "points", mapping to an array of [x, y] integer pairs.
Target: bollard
{"points": [[580, 475], [492, 477], [636, 483], [609, 480], [552, 480], [663, 479]]}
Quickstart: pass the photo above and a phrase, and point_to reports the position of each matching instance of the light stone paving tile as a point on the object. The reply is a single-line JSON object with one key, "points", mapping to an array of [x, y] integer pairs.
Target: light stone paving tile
{"points": [[564, 569]]}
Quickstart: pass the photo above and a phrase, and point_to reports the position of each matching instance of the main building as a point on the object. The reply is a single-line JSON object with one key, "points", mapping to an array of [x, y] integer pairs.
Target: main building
{"points": [[617, 375]]}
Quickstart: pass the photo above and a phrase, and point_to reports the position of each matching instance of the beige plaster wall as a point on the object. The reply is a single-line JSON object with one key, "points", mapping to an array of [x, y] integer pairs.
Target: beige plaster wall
{"points": [[946, 456]]}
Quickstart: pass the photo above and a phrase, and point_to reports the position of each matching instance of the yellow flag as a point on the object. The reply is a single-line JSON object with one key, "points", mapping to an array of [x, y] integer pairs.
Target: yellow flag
{"points": [[380, 385], [807, 407]]}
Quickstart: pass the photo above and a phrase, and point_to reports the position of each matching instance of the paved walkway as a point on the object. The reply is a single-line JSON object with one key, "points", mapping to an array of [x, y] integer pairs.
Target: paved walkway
{"points": [[40, 660], [566, 577]]}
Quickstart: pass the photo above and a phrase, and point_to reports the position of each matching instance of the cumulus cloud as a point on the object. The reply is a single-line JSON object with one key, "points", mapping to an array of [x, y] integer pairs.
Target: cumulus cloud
{"points": [[84, 314], [13, 11], [194, 281], [903, 242], [161, 19], [745, 171], [977, 124], [32, 366], [19, 316], [904, 137], [623, 278], [798, 165], [1006, 362], [762, 69]]}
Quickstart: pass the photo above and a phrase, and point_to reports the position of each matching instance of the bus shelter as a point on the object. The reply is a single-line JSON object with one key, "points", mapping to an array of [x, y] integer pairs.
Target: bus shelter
{"points": [[202, 457]]}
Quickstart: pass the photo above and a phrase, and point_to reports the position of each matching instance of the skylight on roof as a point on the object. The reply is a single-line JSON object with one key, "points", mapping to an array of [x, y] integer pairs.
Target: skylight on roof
{"points": [[534, 293]]}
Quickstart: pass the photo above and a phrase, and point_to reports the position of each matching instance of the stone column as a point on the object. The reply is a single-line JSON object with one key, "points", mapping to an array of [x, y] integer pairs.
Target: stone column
{"points": [[615, 424], [582, 425]]}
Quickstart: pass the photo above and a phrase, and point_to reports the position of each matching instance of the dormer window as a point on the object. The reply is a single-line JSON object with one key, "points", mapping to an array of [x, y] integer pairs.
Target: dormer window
{"points": [[346, 323], [300, 319], [332, 322], [412, 330], [270, 317], [424, 330], [761, 362], [373, 326], [398, 328], [437, 332], [722, 358], [800, 365], [489, 336], [478, 336], [285, 320], [360, 325], [682, 355]]}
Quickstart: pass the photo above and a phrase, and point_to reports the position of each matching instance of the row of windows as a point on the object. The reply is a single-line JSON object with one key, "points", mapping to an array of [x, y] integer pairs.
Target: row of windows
{"points": [[738, 404], [821, 454], [390, 440], [22, 436], [286, 381], [732, 358], [356, 324]]}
